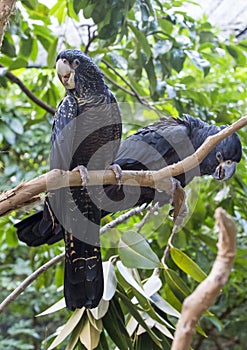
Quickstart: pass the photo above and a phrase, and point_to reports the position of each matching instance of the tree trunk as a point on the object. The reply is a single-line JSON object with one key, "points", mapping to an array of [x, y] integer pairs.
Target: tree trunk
{"points": [[6, 9]]}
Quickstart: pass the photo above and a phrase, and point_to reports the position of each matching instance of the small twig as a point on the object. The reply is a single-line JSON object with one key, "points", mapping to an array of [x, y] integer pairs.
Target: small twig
{"points": [[142, 100], [90, 40], [13, 295], [207, 291], [122, 218], [152, 209], [131, 93], [29, 93]]}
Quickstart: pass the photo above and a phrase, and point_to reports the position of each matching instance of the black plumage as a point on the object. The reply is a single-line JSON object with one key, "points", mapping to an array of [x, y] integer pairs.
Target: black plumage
{"points": [[86, 132], [164, 143], [154, 147]]}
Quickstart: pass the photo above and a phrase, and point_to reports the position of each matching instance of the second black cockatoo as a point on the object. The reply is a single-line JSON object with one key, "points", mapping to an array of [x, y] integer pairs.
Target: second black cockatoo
{"points": [[85, 136], [152, 147]]}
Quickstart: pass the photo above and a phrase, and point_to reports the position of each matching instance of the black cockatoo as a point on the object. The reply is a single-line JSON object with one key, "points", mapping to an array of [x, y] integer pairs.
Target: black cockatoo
{"points": [[85, 136], [152, 147], [166, 142]]}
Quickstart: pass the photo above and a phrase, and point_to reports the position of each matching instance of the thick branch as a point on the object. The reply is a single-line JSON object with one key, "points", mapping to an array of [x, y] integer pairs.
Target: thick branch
{"points": [[29, 93], [207, 291], [161, 179], [6, 9]]}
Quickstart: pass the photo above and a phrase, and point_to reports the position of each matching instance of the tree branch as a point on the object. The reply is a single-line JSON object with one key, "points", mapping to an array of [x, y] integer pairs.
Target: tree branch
{"points": [[26, 191], [207, 291], [13, 295], [133, 91], [29, 93]]}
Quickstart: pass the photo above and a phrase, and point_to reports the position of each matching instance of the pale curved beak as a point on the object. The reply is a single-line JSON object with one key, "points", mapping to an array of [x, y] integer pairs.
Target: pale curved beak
{"points": [[66, 73], [225, 170]]}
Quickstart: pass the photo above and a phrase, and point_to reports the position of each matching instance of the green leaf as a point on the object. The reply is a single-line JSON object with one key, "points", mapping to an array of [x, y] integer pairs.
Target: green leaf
{"points": [[60, 304], [68, 328], [135, 313], [206, 37], [7, 47], [142, 40], [26, 47], [107, 32], [187, 265], [166, 25], [59, 10], [8, 134], [18, 63], [126, 274], [74, 338], [34, 52], [237, 54], [110, 280], [31, 4], [71, 11], [152, 285], [164, 306], [89, 335], [176, 284], [88, 11], [117, 333], [11, 238], [177, 59], [96, 323], [100, 310], [198, 97], [162, 47], [52, 53], [135, 252], [149, 67], [16, 126], [198, 61]]}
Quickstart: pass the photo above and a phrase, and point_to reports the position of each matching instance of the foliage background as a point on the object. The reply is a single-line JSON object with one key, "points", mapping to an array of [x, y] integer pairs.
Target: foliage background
{"points": [[158, 61]]}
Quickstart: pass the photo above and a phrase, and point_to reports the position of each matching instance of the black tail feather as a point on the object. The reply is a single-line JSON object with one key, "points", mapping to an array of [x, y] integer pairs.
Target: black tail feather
{"points": [[38, 229], [83, 275]]}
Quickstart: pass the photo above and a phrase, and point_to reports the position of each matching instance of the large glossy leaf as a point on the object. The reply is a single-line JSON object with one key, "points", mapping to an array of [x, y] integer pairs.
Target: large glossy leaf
{"points": [[135, 313], [131, 282], [237, 54], [118, 333], [198, 61], [110, 280], [96, 323], [75, 335], [163, 305], [135, 252], [176, 284], [18, 63], [68, 328], [152, 285], [89, 336], [16, 126], [186, 264], [60, 304], [177, 59], [100, 310], [142, 40]]}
